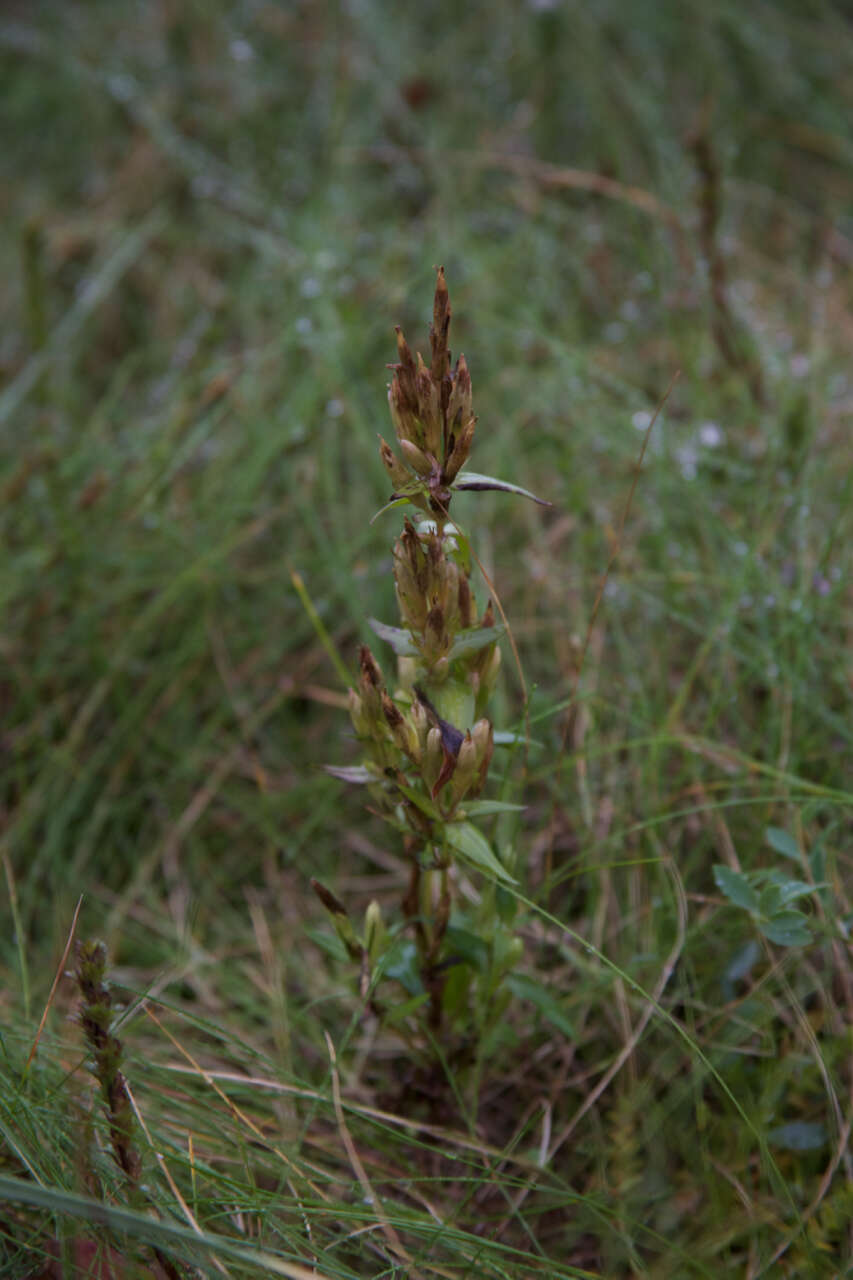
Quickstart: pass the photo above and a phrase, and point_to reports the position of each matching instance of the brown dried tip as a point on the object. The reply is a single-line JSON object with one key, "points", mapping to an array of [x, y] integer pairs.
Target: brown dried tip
{"points": [[369, 667], [328, 899], [392, 713], [440, 329]]}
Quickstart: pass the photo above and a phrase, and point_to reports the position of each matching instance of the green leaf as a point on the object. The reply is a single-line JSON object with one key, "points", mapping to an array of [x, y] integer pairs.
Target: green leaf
{"points": [[790, 890], [420, 799], [473, 847], [799, 1135], [401, 1011], [467, 946], [736, 887], [400, 962], [526, 988], [478, 808], [740, 967], [473, 639], [783, 843], [817, 862], [473, 480], [389, 506], [787, 929], [399, 640]]}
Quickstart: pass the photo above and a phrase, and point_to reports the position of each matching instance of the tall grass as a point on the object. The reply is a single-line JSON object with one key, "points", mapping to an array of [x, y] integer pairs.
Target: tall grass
{"points": [[213, 217]]}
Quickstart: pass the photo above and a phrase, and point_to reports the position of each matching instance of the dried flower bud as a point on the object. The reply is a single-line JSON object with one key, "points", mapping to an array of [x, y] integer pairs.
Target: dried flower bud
{"points": [[435, 636], [460, 451], [483, 677], [465, 602], [440, 329], [337, 911], [360, 721], [483, 736], [396, 470], [370, 687], [465, 772], [429, 408], [403, 413], [405, 370], [416, 458], [459, 408], [433, 758], [370, 667], [420, 721], [402, 731]]}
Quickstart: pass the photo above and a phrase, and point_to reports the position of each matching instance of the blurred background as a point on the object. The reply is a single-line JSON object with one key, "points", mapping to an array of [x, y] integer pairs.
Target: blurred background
{"points": [[213, 214]]}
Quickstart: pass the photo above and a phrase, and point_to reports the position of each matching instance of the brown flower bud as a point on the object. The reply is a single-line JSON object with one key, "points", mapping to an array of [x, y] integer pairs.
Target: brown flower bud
{"points": [[466, 769], [405, 370], [465, 602], [402, 731], [459, 407], [416, 458], [403, 413], [459, 452], [435, 635], [429, 408], [483, 736], [440, 329], [370, 684], [395, 468]]}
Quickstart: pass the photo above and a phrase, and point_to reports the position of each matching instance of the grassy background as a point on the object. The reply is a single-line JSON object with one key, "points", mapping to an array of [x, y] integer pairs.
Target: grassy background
{"points": [[213, 215]]}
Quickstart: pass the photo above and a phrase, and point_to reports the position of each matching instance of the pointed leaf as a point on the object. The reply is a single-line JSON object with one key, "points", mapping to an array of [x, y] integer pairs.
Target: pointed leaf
{"points": [[740, 967], [389, 506], [473, 480], [468, 947], [399, 640], [473, 639], [480, 807], [400, 1012], [419, 799], [474, 848], [526, 988], [357, 773], [783, 843], [799, 1135], [400, 962], [790, 890], [787, 929], [736, 887]]}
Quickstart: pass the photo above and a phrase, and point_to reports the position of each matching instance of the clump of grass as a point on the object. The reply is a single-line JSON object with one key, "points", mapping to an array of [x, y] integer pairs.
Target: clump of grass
{"points": [[427, 737]]}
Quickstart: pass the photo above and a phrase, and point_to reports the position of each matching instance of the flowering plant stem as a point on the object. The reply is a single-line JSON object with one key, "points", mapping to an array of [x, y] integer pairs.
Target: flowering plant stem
{"points": [[426, 738]]}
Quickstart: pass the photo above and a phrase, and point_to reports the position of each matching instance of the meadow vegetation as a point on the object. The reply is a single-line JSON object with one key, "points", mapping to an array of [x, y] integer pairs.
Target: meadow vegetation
{"points": [[214, 216]]}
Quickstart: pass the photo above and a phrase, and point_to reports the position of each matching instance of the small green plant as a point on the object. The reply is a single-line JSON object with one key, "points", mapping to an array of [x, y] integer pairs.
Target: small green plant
{"points": [[767, 894], [426, 736]]}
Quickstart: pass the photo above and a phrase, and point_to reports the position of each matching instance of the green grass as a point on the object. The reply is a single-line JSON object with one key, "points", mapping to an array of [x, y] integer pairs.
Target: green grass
{"points": [[213, 217]]}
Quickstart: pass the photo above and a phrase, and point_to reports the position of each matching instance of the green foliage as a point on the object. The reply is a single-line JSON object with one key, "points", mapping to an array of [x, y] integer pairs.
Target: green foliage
{"points": [[211, 214]]}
